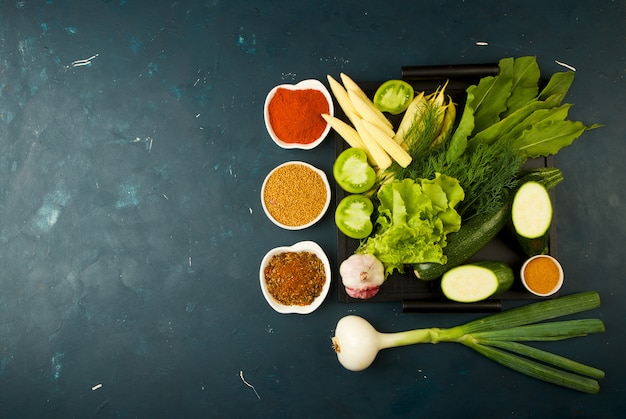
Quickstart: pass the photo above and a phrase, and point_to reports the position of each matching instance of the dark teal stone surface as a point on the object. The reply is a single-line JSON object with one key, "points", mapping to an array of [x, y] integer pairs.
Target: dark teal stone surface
{"points": [[132, 151]]}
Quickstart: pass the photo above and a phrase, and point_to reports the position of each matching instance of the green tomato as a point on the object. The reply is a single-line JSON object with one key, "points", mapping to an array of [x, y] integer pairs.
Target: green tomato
{"points": [[353, 216], [393, 96], [352, 172]]}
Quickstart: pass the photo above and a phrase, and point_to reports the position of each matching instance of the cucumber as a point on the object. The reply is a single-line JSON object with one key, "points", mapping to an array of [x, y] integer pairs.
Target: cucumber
{"points": [[481, 229], [476, 281], [531, 214]]}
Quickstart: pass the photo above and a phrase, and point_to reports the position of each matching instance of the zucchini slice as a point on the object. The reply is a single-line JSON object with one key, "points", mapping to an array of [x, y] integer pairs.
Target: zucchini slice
{"points": [[476, 281], [532, 210], [531, 214]]}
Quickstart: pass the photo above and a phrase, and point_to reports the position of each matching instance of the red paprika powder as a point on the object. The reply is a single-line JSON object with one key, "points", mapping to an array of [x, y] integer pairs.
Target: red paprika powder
{"points": [[296, 115]]}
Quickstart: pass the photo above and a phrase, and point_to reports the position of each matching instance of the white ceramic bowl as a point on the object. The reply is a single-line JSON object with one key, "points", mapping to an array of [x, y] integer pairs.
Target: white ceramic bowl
{"points": [[324, 208], [303, 85], [559, 283], [302, 246]]}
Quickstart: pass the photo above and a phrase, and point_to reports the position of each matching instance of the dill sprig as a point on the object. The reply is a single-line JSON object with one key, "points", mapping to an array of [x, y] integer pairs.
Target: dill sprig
{"points": [[486, 174], [419, 137]]}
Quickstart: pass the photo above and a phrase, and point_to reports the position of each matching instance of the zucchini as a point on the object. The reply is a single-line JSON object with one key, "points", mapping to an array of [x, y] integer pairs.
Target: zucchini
{"points": [[481, 229], [465, 243], [531, 214], [476, 281]]}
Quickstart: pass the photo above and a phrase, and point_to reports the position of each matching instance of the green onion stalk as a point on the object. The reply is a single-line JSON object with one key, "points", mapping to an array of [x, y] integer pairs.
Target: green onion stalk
{"points": [[498, 337]]}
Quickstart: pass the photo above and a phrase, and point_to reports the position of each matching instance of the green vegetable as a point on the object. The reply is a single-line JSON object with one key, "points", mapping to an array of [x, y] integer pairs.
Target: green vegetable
{"points": [[353, 216], [532, 217], [414, 218], [506, 120], [393, 96], [505, 110], [426, 123], [352, 171], [486, 176], [481, 229], [466, 242], [497, 337], [476, 281]]}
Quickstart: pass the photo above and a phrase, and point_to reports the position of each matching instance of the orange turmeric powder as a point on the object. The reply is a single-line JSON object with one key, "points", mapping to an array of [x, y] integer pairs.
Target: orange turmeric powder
{"points": [[541, 275]]}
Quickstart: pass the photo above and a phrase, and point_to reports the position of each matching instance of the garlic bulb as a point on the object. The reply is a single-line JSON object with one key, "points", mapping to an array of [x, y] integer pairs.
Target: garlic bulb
{"points": [[362, 275]]}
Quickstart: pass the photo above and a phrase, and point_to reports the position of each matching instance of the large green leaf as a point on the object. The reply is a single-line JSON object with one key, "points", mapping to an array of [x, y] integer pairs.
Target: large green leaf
{"points": [[525, 85], [491, 95], [548, 137], [558, 84]]}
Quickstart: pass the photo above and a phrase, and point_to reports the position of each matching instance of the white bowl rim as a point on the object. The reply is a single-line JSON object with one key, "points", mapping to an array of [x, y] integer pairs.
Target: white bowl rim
{"points": [[302, 246], [559, 283], [321, 173], [304, 84]]}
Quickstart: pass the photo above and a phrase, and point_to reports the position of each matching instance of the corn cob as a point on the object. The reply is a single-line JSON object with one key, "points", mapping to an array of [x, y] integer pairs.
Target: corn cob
{"points": [[368, 113], [346, 132], [380, 158], [341, 95], [446, 125], [395, 150], [364, 104], [412, 115]]}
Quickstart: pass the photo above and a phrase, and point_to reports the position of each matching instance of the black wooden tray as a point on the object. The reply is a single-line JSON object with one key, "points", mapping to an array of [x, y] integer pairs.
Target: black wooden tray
{"points": [[406, 287]]}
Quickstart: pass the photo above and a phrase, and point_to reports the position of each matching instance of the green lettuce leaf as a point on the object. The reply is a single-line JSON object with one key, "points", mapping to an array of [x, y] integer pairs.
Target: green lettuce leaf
{"points": [[414, 218]]}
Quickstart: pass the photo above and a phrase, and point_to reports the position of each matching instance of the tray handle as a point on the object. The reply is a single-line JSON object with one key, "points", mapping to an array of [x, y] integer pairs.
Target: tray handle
{"points": [[455, 71]]}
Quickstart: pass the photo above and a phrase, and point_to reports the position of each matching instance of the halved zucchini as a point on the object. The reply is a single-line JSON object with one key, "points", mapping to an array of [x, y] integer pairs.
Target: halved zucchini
{"points": [[476, 281], [531, 214]]}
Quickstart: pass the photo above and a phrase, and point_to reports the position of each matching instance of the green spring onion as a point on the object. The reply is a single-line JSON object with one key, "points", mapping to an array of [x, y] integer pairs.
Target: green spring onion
{"points": [[497, 337]]}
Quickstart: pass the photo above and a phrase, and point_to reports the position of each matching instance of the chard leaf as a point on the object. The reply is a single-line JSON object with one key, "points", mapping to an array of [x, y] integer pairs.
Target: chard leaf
{"points": [[548, 137], [533, 121], [558, 84], [525, 83], [498, 130], [491, 95]]}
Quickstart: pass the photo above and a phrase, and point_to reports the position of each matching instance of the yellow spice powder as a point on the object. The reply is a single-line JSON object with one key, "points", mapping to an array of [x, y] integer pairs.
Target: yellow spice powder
{"points": [[541, 275], [294, 195]]}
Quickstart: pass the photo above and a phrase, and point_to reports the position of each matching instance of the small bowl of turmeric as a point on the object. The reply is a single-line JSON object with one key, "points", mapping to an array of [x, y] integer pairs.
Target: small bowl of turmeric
{"points": [[293, 114], [295, 195], [295, 279], [542, 275]]}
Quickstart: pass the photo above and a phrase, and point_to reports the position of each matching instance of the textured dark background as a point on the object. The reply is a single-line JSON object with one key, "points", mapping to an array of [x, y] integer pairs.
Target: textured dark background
{"points": [[131, 229]]}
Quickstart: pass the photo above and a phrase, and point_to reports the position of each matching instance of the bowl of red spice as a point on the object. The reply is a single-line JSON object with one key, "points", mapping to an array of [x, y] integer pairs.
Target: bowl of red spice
{"points": [[293, 114], [295, 279], [295, 195], [542, 275]]}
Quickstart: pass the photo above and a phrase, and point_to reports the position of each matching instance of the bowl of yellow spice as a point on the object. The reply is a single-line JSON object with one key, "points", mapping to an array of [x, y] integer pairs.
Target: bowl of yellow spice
{"points": [[295, 279], [542, 275], [295, 195]]}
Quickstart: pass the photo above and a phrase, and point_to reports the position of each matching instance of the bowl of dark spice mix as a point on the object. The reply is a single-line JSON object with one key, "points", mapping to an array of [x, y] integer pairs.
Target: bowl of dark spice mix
{"points": [[293, 114], [295, 195], [295, 279]]}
